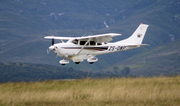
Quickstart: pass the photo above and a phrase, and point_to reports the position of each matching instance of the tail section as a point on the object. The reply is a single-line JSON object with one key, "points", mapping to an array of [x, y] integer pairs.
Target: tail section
{"points": [[137, 37]]}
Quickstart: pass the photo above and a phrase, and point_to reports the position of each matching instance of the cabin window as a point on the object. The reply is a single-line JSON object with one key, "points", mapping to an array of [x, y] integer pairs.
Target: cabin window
{"points": [[75, 41], [82, 42], [92, 43], [99, 43]]}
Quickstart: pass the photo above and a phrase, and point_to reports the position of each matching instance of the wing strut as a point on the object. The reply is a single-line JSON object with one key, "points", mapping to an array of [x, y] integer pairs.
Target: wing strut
{"points": [[83, 47]]}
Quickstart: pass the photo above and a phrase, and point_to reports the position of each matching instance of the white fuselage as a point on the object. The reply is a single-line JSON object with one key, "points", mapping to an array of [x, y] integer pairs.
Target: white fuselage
{"points": [[70, 50]]}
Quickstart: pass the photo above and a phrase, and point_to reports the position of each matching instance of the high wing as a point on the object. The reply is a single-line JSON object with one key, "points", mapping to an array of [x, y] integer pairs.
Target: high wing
{"points": [[97, 38], [60, 38]]}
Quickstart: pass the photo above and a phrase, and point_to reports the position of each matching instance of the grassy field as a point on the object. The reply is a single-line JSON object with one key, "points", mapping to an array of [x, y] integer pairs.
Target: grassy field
{"points": [[163, 91]]}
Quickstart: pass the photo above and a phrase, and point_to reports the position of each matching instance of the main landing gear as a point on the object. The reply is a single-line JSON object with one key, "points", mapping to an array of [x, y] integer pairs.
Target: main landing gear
{"points": [[77, 62], [90, 60]]}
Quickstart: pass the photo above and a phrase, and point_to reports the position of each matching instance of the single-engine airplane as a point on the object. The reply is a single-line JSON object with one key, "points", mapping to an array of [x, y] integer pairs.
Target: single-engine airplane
{"points": [[87, 47]]}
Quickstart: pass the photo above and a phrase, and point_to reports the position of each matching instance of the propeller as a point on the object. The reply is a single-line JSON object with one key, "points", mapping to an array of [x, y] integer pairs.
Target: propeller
{"points": [[48, 50], [52, 41]]}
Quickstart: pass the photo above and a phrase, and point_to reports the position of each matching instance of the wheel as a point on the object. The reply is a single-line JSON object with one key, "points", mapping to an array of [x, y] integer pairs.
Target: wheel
{"points": [[91, 62], [77, 62]]}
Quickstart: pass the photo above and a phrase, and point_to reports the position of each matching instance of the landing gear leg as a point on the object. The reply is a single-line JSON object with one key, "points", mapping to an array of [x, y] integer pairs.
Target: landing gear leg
{"points": [[64, 61]]}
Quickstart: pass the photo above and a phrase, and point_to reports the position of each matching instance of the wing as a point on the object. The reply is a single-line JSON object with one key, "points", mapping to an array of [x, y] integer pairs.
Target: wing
{"points": [[97, 38], [100, 38], [60, 38]]}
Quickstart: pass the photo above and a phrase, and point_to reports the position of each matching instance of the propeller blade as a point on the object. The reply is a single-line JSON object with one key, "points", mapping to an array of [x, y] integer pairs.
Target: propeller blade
{"points": [[52, 41], [48, 51]]}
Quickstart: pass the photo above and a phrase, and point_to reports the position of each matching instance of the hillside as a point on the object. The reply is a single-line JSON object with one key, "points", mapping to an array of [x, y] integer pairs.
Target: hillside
{"points": [[21, 72], [23, 24], [162, 60], [18, 72]]}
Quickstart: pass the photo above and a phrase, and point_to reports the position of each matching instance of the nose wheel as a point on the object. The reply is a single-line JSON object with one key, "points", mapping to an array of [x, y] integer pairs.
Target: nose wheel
{"points": [[63, 62]]}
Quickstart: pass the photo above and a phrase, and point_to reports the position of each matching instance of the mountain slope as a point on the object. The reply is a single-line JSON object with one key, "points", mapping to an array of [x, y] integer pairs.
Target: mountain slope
{"points": [[20, 18]]}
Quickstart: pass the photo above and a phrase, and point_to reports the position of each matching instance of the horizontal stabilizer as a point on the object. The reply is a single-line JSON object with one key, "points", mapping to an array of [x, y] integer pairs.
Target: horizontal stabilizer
{"points": [[135, 45]]}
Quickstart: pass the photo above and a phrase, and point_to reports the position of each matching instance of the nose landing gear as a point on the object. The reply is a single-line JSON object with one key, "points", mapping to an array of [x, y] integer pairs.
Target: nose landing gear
{"points": [[63, 62]]}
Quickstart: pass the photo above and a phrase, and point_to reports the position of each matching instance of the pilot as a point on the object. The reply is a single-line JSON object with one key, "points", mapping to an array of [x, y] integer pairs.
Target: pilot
{"points": [[75, 41]]}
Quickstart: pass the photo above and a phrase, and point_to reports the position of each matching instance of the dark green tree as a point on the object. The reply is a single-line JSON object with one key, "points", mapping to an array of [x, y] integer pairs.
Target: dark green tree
{"points": [[125, 72]]}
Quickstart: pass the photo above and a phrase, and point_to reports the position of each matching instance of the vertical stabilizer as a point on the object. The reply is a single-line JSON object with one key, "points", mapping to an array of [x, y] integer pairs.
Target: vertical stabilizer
{"points": [[137, 37]]}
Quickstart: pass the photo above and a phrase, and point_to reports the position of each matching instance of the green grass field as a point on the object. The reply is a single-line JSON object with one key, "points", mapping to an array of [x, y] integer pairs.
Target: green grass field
{"points": [[163, 91]]}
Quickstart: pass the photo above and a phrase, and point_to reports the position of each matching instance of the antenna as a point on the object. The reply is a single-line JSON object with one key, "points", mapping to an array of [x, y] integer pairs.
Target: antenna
{"points": [[84, 35]]}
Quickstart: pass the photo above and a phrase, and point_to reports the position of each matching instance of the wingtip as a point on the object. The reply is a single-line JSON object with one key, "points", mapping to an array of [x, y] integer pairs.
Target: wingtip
{"points": [[144, 24], [47, 37]]}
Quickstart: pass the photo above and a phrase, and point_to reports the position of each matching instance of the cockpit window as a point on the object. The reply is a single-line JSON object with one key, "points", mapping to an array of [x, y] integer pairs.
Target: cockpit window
{"points": [[90, 43], [75, 41]]}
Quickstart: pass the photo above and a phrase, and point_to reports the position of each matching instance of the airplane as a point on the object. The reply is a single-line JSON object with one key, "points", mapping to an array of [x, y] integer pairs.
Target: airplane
{"points": [[78, 49]]}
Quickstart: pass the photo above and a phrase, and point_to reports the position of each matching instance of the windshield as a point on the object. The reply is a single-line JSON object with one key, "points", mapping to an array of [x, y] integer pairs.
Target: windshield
{"points": [[75, 41]]}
